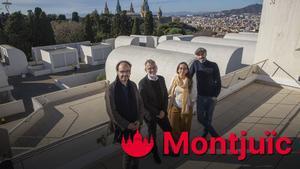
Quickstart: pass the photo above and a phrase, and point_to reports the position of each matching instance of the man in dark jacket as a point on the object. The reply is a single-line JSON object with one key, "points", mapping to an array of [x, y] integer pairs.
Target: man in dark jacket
{"points": [[154, 93], [125, 109], [208, 88]]}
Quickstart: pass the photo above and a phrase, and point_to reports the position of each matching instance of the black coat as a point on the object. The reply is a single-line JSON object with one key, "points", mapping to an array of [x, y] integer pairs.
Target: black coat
{"points": [[151, 105]]}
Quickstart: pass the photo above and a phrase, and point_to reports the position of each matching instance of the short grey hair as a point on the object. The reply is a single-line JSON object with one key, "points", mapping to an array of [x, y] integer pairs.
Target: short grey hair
{"points": [[200, 50], [150, 62]]}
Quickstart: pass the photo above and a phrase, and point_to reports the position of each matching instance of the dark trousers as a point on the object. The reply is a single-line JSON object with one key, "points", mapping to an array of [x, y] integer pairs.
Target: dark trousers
{"points": [[164, 124], [130, 162], [205, 109]]}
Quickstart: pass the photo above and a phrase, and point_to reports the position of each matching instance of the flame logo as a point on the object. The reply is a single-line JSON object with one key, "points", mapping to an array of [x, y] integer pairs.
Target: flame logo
{"points": [[138, 147]]}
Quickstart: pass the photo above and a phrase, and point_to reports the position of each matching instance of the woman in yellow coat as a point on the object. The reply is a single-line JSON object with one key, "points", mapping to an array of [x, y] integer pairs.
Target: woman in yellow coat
{"points": [[180, 105]]}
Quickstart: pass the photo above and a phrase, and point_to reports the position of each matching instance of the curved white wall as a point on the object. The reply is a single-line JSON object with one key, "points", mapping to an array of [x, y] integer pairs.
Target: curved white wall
{"points": [[279, 38], [147, 41], [249, 47], [126, 41], [3, 78], [167, 62], [241, 36], [228, 58], [17, 60], [167, 37]]}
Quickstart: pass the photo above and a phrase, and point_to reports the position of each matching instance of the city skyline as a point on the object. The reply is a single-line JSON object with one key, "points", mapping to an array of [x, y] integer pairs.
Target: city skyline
{"points": [[87, 6]]}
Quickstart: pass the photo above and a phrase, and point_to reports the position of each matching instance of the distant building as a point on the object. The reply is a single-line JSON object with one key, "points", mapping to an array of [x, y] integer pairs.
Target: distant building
{"points": [[159, 14], [144, 8], [118, 7], [106, 10]]}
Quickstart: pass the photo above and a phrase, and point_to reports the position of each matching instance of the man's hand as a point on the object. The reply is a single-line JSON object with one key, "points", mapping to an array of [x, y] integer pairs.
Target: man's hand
{"points": [[161, 115], [131, 126], [137, 124]]}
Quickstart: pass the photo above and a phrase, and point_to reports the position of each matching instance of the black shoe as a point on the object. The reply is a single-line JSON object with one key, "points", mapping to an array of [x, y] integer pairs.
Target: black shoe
{"points": [[157, 159]]}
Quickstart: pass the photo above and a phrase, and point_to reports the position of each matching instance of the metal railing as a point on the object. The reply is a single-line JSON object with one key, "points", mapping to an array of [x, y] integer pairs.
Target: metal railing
{"points": [[250, 69], [280, 68]]}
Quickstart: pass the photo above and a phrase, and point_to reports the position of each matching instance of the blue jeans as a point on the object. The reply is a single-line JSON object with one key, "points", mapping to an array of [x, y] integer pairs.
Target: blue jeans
{"points": [[205, 109]]}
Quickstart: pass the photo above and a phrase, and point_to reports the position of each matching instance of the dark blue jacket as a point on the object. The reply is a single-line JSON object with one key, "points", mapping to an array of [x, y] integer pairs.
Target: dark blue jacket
{"points": [[208, 78]]}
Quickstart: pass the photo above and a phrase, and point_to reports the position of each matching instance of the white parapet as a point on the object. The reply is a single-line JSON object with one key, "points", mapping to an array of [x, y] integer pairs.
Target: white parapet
{"points": [[249, 47], [228, 58], [279, 40], [126, 41], [36, 51], [167, 61], [14, 60], [147, 41], [96, 54], [59, 60], [12, 108], [241, 36]]}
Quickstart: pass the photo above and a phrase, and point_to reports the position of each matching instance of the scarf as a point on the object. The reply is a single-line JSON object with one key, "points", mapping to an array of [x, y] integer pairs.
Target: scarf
{"points": [[185, 85]]}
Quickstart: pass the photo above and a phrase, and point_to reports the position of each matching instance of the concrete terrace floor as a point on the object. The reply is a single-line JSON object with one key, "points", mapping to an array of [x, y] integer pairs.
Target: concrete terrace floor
{"points": [[255, 108], [62, 118]]}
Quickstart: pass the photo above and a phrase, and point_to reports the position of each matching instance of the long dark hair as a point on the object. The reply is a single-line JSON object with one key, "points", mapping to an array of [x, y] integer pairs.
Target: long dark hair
{"points": [[187, 75], [187, 66]]}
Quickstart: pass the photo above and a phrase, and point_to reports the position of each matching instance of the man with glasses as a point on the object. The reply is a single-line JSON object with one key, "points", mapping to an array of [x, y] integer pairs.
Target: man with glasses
{"points": [[125, 109]]}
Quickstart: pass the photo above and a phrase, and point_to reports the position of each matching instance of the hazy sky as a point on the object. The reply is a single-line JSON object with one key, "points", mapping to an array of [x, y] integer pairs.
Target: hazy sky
{"points": [[86, 6]]}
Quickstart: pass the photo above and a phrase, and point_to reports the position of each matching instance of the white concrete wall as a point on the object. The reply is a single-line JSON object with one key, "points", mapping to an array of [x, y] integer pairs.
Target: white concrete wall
{"points": [[167, 37], [17, 60], [241, 36], [96, 54], [279, 39], [147, 41], [110, 41], [60, 60], [167, 61], [78, 79], [3, 78], [12, 108], [228, 58], [183, 37], [126, 41], [36, 51], [249, 47]]}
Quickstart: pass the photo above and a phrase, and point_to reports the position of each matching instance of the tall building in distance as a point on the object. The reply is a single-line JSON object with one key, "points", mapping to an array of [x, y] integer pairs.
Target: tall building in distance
{"points": [[118, 8], [144, 8], [106, 10], [159, 14], [131, 10]]}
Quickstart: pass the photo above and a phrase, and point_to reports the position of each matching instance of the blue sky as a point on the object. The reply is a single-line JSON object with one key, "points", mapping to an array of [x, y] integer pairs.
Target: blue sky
{"points": [[86, 6]]}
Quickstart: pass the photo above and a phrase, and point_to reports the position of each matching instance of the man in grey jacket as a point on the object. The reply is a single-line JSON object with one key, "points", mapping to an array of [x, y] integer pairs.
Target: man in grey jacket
{"points": [[125, 109]]}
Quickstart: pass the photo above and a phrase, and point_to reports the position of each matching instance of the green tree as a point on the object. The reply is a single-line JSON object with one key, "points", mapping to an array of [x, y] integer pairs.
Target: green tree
{"points": [[136, 27], [148, 24], [75, 17], [17, 31], [42, 32], [68, 32], [61, 17], [52, 17], [125, 21], [46, 30], [116, 25], [89, 34]]}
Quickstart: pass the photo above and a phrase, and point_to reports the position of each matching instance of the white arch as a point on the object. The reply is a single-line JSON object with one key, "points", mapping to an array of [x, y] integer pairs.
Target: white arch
{"points": [[241, 36], [126, 41], [167, 61], [228, 58], [249, 47]]}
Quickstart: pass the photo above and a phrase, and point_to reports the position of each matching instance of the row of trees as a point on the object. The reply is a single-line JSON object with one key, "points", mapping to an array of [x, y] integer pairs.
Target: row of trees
{"points": [[38, 29]]}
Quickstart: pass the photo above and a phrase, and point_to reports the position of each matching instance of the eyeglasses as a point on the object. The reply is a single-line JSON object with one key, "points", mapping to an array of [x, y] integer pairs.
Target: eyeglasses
{"points": [[124, 71]]}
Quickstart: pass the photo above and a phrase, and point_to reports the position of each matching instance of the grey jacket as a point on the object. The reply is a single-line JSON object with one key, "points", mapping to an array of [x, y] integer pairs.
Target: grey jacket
{"points": [[116, 118]]}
